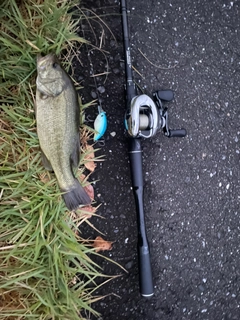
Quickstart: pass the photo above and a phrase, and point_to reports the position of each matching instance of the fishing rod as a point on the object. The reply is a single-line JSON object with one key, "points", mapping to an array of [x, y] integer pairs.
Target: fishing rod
{"points": [[143, 117]]}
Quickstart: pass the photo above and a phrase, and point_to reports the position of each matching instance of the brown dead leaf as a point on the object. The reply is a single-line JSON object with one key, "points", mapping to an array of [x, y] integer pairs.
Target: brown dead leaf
{"points": [[101, 245], [85, 135], [89, 188], [44, 177], [90, 165], [87, 211], [82, 177], [90, 191], [89, 156]]}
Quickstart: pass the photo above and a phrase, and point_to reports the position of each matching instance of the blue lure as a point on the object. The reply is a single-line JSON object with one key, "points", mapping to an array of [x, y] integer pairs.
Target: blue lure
{"points": [[100, 124]]}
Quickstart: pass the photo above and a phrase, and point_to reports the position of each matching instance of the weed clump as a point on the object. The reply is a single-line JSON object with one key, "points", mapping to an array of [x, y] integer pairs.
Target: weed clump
{"points": [[45, 271]]}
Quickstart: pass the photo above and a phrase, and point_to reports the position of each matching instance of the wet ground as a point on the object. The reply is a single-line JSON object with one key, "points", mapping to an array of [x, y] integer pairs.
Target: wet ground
{"points": [[192, 188]]}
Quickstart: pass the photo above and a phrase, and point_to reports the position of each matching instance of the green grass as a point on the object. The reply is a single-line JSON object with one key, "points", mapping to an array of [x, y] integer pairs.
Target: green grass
{"points": [[45, 269]]}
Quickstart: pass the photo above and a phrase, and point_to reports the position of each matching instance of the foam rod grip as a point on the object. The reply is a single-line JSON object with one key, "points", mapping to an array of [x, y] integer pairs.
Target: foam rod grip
{"points": [[145, 272]]}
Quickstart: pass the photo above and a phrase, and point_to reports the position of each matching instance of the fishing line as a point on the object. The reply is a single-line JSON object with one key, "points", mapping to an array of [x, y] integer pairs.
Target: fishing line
{"points": [[100, 122]]}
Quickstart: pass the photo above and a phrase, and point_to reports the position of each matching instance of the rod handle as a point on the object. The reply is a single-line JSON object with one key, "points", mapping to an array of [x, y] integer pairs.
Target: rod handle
{"points": [[145, 272]]}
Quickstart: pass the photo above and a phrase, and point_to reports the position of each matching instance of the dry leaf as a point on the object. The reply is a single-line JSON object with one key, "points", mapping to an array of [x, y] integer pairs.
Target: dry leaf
{"points": [[44, 177], [90, 165], [90, 191], [101, 245], [89, 188], [87, 211], [89, 156], [82, 177]]}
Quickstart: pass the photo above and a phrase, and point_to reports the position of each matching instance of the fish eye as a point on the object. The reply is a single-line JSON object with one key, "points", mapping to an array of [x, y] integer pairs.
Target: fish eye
{"points": [[54, 65]]}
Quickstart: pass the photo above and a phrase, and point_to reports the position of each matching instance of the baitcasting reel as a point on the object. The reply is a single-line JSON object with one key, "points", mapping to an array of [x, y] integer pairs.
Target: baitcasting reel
{"points": [[145, 116]]}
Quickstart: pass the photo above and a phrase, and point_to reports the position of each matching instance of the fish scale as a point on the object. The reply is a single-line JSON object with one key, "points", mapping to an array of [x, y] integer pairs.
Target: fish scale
{"points": [[52, 141]]}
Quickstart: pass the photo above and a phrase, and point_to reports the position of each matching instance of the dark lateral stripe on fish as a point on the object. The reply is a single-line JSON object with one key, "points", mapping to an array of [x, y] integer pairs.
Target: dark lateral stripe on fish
{"points": [[75, 196]]}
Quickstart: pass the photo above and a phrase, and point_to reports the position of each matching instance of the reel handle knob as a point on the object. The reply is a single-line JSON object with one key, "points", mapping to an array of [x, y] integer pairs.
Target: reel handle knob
{"points": [[165, 95], [180, 133]]}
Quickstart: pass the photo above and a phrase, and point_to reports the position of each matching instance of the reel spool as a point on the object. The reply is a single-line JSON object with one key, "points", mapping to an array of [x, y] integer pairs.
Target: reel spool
{"points": [[146, 116], [142, 120]]}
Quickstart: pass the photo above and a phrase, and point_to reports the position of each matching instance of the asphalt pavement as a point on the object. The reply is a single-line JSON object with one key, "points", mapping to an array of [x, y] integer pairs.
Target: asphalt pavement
{"points": [[192, 184]]}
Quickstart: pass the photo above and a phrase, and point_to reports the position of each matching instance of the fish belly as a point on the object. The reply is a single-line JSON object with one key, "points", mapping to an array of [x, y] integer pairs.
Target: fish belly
{"points": [[57, 131]]}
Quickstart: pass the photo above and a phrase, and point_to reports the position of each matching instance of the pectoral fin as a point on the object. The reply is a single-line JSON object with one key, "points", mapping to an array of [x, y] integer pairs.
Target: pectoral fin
{"points": [[46, 163]]}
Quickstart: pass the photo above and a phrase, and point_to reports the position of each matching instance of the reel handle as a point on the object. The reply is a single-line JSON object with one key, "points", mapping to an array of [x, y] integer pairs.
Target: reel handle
{"points": [[165, 95], [180, 133]]}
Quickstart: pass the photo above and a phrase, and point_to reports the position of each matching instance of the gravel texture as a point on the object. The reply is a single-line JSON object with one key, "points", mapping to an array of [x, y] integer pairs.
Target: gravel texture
{"points": [[192, 190]]}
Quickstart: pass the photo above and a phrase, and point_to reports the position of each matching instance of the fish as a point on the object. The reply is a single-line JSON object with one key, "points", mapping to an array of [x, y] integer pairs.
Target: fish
{"points": [[58, 120], [100, 124]]}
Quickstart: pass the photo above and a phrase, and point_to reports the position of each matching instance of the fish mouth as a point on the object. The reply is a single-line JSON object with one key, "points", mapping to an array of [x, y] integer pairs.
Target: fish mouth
{"points": [[50, 56], [42, 61]]}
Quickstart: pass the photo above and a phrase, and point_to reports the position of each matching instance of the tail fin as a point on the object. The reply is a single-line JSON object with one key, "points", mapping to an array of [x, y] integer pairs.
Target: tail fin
{"points": [[75, 196]]}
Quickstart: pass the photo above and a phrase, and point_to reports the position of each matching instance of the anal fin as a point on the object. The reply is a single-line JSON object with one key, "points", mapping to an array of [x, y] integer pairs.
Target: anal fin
{"points": [[46, 163]]}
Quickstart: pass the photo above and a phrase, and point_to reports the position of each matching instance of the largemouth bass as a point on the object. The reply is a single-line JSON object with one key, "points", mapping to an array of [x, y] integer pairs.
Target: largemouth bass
{"points": [[58, 119]]}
